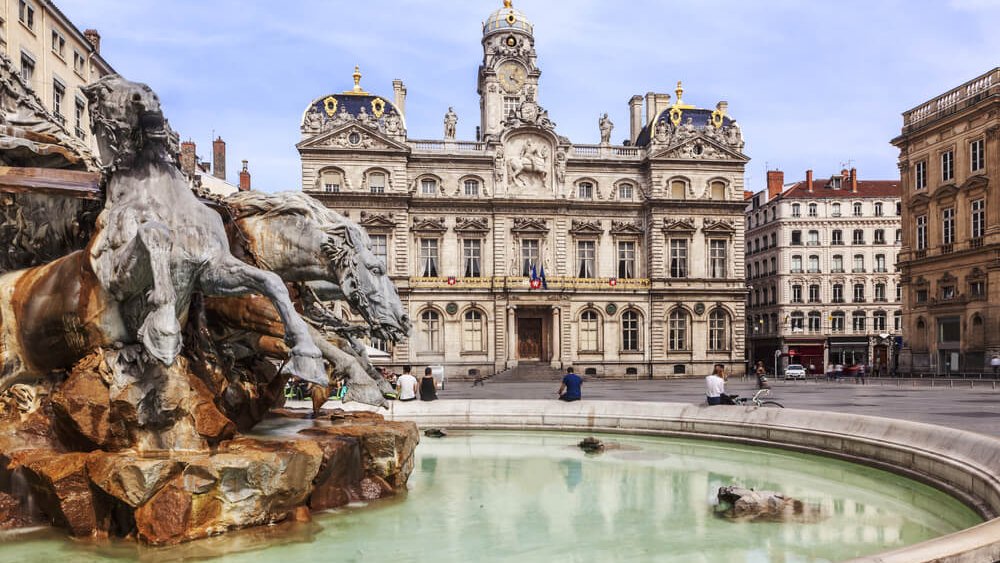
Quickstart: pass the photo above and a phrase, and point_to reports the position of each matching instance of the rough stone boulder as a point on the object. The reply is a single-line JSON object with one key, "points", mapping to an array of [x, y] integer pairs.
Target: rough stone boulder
{"points": [[60, 484], [740, 503], [387, 447]]}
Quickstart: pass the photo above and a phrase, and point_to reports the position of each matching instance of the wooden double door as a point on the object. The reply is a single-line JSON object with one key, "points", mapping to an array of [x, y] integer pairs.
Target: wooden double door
{"points": [[530, 339]]}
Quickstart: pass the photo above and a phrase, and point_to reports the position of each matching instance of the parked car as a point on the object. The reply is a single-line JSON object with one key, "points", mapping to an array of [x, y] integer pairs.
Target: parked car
{"points": [[795, 371]]}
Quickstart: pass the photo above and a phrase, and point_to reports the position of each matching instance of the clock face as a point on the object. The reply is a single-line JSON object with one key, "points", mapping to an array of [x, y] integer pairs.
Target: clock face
{"points": [[512, 76]]}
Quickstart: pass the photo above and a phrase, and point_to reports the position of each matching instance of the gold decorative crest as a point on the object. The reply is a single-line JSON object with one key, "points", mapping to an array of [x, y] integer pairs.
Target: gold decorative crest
{"points": [[378, 107], [675, 115], [511, 18], [330, 105], [719, 114]]}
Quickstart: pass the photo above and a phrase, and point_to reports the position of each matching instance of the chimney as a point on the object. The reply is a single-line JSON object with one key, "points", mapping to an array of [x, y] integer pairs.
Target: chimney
{"points": [[809, 180], [94, 38], [650, 107], [219, 159], [399, 93], [775, 183], [635, 117], [854, 180], [244, 178], [188, 158]]}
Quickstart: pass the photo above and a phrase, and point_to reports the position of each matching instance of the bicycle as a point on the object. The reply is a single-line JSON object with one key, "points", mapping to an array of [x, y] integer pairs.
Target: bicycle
{"points": [[755, 400]]}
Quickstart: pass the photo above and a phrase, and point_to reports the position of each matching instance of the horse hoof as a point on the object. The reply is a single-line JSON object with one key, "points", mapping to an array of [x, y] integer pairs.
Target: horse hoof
{"points": [[306, 368]]}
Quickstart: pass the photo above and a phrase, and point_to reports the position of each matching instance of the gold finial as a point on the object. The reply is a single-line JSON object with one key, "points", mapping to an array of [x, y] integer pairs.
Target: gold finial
{"points": [[679, 91], [508, 4], [357, 79]]}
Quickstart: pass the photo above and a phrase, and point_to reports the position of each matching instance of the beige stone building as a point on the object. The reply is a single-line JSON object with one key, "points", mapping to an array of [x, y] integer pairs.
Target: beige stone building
{"points": [[949, 157], [635, 249], [54, 58], [821, 267]]}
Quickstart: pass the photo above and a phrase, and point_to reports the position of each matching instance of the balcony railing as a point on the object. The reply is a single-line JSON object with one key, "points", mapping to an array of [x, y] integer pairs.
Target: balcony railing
{"points": [[858, 270], [920, 254], [951, 101], [947, 248], [976, 242], [837, 271]]}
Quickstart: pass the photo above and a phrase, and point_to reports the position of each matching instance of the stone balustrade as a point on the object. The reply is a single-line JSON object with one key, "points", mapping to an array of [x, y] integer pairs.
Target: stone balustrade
{"points": [[952, 100]]}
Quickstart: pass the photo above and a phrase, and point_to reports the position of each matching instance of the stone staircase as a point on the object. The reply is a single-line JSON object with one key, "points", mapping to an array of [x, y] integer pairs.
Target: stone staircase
{"points": [[530, 372]]}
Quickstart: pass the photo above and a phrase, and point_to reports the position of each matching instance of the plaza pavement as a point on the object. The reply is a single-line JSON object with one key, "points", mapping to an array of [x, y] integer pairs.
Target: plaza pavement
{"points": [[968, 408]]}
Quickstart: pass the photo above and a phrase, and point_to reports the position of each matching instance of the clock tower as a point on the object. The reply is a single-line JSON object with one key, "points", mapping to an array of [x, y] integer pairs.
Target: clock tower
{"points": [[509, 74]]}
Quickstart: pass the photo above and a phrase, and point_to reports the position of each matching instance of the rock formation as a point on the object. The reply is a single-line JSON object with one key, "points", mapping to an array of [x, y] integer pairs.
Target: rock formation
{"points": [[738, 503]]}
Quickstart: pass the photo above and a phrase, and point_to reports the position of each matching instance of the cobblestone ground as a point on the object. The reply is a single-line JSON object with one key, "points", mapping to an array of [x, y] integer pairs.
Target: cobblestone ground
{"points": [[968, 408]]}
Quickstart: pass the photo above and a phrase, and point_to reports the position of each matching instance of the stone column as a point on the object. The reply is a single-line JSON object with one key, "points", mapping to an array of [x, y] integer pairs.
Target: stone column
{"points": [[556, 337], [511, 336]]}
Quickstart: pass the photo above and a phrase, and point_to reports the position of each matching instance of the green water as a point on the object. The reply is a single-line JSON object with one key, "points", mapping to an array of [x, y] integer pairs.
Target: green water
{"points": [[505, 496]]}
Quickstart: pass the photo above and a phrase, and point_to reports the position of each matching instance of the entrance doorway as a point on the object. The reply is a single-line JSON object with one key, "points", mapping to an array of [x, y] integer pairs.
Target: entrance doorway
{"points": [[530, 346]]}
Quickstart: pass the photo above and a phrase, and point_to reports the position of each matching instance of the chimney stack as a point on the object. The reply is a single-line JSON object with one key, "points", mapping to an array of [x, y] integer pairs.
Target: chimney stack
{"points": [[650, 107], [854, 180], [635, 117], [219, 159], [662, 103], [399, 96], [94, 38], [188, 158], [809, 180], [244, 178], [775, 183]]}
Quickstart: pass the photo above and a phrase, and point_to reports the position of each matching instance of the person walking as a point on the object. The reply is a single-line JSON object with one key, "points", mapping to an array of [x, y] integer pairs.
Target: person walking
{"points": [[715, 386], [428, 388], [406, 385], [761, 374], [995, 364], [571, 387]]}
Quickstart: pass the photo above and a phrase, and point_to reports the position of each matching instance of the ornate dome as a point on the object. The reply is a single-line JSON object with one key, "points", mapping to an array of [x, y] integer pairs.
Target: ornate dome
{"points": [[507, 18]]}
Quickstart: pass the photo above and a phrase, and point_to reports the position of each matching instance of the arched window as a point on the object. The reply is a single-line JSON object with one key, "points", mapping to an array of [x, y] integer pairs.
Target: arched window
{"points": [[376, 182], [798, 321], [857, 209], [331, 181], [625, 191], [813, 210], [677, 337], [837, 322], [717, 190], [630, 331], [430, 331], [428, 186], [718, 331], [858, 321], [472, 331], [678, 190], [836, 210], [472, 187], [585, 190], [815, 321], [878, 209], [879, 321], [590, 331]]}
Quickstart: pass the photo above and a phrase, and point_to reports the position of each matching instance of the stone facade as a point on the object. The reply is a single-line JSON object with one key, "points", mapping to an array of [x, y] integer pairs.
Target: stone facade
{"points": [[821, 266], [636, 249], [949, 156]]}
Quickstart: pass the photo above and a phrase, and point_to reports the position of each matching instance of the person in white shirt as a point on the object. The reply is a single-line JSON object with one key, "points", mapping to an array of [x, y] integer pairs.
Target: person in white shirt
{"points": [[995, 363], [406, 385], [715, 385]]}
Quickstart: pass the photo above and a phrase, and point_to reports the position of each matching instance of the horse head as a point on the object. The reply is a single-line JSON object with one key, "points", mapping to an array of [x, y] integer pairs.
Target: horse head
{"points": [[301, 240]]}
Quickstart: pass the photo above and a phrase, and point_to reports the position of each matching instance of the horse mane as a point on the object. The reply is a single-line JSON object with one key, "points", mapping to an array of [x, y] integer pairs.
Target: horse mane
{"points": [[258, 204]]}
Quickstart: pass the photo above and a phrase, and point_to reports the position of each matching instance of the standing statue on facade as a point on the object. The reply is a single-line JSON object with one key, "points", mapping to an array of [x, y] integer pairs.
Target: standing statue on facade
{"points": [[606, 126], [450, 122]]}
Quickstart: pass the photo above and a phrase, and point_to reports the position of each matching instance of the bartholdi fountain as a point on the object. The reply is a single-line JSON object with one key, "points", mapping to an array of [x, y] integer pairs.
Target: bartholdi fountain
{"points": [[139, 339]]}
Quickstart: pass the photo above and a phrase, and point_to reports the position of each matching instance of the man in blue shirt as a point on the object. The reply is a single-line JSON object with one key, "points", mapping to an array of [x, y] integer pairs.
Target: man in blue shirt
{"points": [[570, 388]]}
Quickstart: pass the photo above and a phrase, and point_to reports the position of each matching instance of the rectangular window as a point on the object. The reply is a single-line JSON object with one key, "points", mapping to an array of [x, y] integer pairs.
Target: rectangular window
{"points": [[880, 292], [947, 166], [585, 190], [26, 13], [79, 111], [529, 256], [625, 192], [859, 263], [376, 183], [814, 293], [922, 232], [858, 322], [921, 296], [472, 255], [880, 263], [380, 247], [837, 237], [838, 293], [978, 218], [472, 188], [796, 238], [859, 293], [796, 264], [879, 236], [429, 257], [837, 266], [796, 294], [859, 236], [585, 253], [678, 258], [58, 44], [899, 293], [977, 155], [948, 226], [78, 62], [428, 187], [718, 257], [977, 289], [27, 68], [837, 323], [58, 94], [626, 259], [510, 104], [920, 175]]}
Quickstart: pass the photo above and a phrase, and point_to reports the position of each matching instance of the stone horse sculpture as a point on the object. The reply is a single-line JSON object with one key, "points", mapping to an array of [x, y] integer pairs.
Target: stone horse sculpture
{"points": [[303, 241], [155, 246], [533, 159]]}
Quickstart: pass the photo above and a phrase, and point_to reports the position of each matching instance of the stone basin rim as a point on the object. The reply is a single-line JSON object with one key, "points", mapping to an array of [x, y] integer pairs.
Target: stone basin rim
{"points": [[961, 463]]}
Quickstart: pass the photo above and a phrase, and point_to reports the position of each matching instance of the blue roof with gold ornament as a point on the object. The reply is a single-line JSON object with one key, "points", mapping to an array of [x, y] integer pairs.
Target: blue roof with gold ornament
{"points": [[507, 18], [680, 114], [354, 102]]}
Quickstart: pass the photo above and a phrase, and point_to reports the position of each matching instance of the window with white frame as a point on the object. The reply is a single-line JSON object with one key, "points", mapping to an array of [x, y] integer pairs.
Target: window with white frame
{"points": [[625, 192], [880, 292], [837, 322], [880, 265], [813, 264], [376, 182], [58, 95], [813, 210], [331, 181], [859, 263], [837, 264], [589, 331], [796, 293], [859, 236], [836, 210], [718, 331], [814, 293], [718, 256], [79, 62], [472, 257], [472, 188], [529, 255], [27, 68], [586, 251], [429, 258], [796, 210], [798, 323], [858, 321], [878, 321], [472, 331], [626, 259], [797, 264], [899, 236], [897, 321], [26, 13], [585, 190], [510, 104], [837, 237], [813, 238], [815, 321], [430, 331], [677, 333], [58, 44], [678, 258], [79, 111], [858, 209], [838, 293], [859, 293], [977, 155], [948, 226], [921, 232], [920, 175], [878, 209], [380, 248], [879, 236], [978, 218], [428, 186], [947, 166], [630, 331]]}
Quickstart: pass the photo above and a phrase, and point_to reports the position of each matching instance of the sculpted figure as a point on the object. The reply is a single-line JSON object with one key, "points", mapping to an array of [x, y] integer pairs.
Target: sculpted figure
{"points": [[313, 122], [662, 131], [341, 118], [450, 121], [533, 160], [393, 125], [606, 126]]}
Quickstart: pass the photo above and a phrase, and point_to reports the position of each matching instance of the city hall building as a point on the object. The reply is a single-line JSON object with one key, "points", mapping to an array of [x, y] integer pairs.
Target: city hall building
{"points": [[523, 248]]}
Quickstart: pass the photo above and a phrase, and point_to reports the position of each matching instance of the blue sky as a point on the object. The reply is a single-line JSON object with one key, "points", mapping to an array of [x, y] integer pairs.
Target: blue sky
{"points": [[814, 84]]}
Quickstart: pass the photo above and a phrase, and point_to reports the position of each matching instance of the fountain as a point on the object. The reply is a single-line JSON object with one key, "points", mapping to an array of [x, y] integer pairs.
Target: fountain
{"points": [[143, 338]]}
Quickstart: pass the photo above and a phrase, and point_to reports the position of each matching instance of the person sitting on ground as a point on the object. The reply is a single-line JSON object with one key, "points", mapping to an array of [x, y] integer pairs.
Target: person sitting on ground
{"points": [[406, 385], [428, 389], [715, 386], [569, 390]]}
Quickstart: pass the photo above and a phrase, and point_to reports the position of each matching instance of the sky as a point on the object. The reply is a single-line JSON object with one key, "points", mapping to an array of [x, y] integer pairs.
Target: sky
{"points": [[814, 84]]}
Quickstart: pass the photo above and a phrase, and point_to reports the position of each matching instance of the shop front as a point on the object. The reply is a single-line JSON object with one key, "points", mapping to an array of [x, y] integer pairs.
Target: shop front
{"points": [[808, 353], [849, 351]]}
